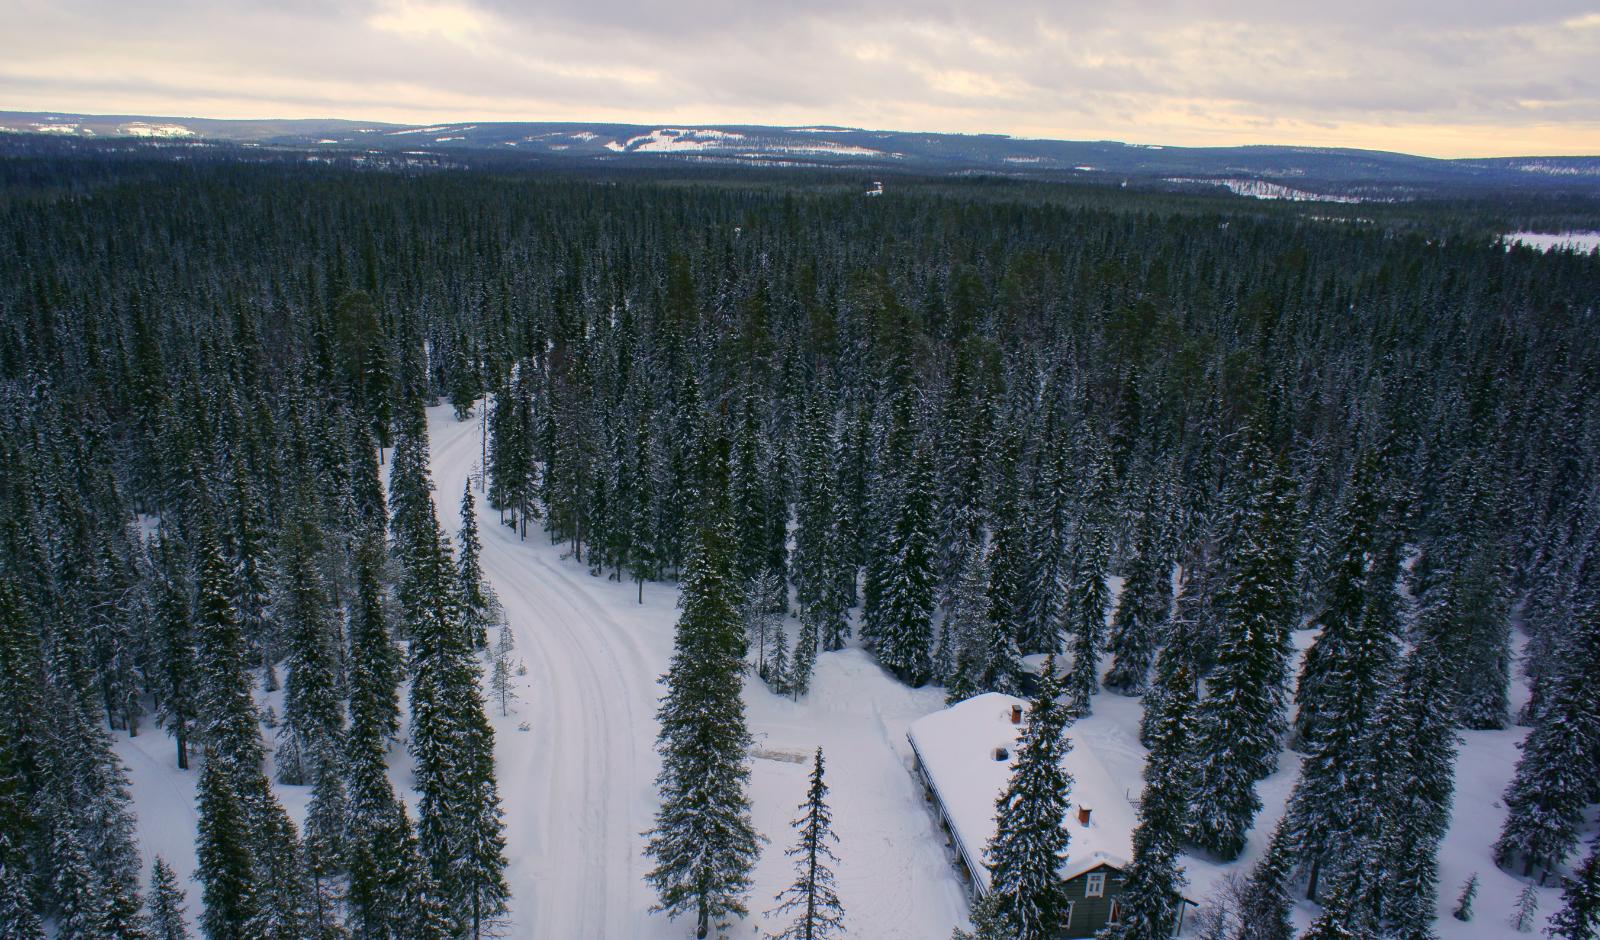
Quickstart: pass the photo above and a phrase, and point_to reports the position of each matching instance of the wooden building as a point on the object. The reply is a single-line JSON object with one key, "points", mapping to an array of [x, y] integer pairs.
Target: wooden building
{"points": [[963, 756]]}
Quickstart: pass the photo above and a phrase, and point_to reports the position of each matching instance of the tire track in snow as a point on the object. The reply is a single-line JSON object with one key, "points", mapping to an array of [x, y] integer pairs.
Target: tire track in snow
{"points": [[571, 785]]}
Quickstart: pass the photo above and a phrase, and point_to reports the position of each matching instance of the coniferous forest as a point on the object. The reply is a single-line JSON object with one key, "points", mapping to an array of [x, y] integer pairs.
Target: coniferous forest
{"points": [[1317, 491]]}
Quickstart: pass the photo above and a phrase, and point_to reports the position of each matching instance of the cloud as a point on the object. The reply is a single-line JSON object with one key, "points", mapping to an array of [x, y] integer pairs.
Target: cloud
{"points": [[1472, 77]]}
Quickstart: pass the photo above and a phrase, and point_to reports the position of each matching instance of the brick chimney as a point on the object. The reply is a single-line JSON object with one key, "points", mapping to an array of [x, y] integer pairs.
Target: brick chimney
{"points": [[1083, 816], [1016, 714]]}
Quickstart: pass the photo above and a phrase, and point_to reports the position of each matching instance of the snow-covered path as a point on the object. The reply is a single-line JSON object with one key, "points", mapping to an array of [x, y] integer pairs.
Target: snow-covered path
{"points": [[578, 785]]}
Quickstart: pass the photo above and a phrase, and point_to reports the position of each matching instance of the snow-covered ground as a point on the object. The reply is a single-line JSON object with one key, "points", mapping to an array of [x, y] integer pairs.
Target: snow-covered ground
{"points": [[576, 764], [1581, 242]]}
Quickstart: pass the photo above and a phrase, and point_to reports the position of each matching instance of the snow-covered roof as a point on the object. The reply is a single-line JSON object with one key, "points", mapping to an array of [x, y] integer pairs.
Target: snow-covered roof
{"points": [[957, 748]]}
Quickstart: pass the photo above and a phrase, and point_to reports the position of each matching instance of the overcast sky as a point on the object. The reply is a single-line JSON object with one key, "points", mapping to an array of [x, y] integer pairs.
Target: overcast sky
{"points": [[1446, 77]]}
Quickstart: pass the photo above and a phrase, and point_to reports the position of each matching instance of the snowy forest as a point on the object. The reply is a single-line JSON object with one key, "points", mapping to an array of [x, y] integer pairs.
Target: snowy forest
{"points": [[394, 555]]}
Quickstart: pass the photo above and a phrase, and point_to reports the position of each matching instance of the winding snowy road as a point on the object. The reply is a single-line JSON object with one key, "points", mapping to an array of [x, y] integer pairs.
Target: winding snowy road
{"points": [[578, 785]]}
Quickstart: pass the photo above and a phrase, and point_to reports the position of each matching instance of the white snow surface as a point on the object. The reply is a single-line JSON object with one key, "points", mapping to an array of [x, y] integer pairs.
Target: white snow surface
{"points": [[1580, 242], [146, 129], [578, 785]]}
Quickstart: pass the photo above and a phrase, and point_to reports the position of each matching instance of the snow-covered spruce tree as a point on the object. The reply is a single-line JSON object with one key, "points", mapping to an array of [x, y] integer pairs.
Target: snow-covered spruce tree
{"points": [[411, 515], [1243, 714], [390, 893], [1265, 907], [460, 830], [818, 913], [1415, 746], [230, 892], [375, 662], [816, 562], [1527, 909], [247, 846], [1030, 836], [166, 920], [313, 715], [1345, 601], [325, 851], [703, 843], [1465, 595], [1052, 511], [478, 604], [1083, 611], [1554, 781], [1144, 605], [1347, 912], [500, 681], [1083, 615], [905, 640], [1338, 793], [1579, 917], [1180, 653], [747, 493], [1007, 558], [804, 662], [18, 920], [894, 434], [173, 677], [644, 536], [1469, 893], [247, 544], [965, 622], [764, 609], [1151, 896], [511, 461]]}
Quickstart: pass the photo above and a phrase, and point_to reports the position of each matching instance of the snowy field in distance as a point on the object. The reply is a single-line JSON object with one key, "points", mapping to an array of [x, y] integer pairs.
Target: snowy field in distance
{"points": [[1581, 242]]}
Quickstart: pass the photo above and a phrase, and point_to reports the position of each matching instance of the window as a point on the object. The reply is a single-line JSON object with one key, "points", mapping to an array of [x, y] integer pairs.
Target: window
{"points": [[1096, 887], [1115, 917], [1066, 917]]}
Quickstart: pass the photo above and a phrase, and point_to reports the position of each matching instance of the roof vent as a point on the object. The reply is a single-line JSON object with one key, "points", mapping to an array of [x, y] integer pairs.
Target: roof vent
{"points": [[1001, 753], [1083, 816]]}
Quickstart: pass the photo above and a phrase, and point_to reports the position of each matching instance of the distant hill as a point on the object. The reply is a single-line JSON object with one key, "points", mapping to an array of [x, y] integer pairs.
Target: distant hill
{"points": [[1266, 172]]}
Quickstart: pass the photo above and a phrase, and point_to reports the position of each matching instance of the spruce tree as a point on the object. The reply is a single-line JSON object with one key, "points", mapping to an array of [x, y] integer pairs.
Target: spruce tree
{"points": [[313, 715], [1469, 893], [1522, 916], [966, 623], [477, 602], [818, 913], [817, 563], [174, 676], [1265, 907], [166, 904], [1414, 742], [1354, 569], [231, 894], [1151, 895], [703, 844], [460, 830], [905, 640], [1031, 837], [804, 662], [1083, 612], [1554, 780], [1143, 606], [1337, 790], [1242, 715], [1579, 917], [18, 921], [375, 662]]}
